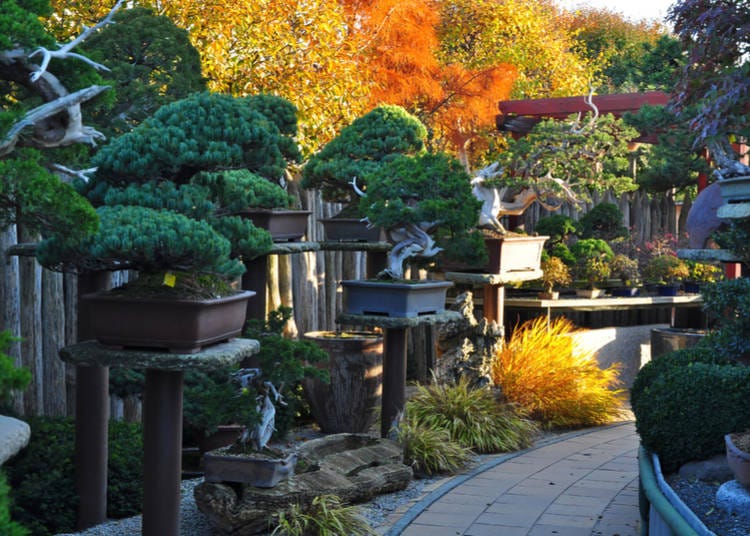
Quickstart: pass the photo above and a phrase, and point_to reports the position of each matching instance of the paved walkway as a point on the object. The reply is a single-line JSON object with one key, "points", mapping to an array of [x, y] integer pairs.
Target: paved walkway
{"points": [[578, 484]]}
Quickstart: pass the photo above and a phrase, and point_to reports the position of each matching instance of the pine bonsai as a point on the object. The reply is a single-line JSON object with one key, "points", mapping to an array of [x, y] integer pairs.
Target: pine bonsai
{"points": [[360, 149], [166, 191]]}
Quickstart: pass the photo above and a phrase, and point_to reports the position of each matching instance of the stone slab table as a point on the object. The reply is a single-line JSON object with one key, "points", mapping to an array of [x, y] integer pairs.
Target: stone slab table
{"points": [[162, 424], [394, 355]]}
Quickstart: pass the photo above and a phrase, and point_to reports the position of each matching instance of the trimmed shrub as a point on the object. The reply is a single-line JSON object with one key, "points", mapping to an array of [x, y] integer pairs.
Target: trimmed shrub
{"points": [[669, 362], [42, 475], [685, 412], [7, 526]]}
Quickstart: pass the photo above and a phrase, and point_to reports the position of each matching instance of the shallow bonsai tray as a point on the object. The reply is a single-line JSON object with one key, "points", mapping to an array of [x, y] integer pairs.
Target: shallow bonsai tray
{"points": [[394, 299], [284, 225]]}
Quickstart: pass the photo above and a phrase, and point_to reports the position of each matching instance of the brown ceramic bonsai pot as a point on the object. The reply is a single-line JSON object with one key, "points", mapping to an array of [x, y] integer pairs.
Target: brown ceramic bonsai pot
{"points": [[284, 225], [393, 298], [178, 326], [350, 230], [506, 254], [258, 470]]}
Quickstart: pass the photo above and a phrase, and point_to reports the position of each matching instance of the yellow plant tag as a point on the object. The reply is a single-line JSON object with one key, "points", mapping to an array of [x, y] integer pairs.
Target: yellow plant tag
{"points": [[169, 279]]}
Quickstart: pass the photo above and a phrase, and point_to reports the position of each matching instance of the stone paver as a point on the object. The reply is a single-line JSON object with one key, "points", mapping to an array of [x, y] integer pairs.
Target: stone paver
{"points": [[579, 484]]}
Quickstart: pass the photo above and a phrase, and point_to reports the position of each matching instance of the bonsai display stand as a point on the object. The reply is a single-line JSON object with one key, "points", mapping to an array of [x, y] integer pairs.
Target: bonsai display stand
{"points": [[162, 424], [493, 288], [394, 355]]}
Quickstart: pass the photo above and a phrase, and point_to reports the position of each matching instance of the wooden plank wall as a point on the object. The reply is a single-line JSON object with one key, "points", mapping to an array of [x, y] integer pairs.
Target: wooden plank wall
{"points": [[39, 305]]}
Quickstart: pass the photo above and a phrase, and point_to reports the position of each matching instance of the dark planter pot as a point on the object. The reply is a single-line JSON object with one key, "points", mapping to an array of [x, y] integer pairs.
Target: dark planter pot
{"points": [[178, 326], [506, 254], [626, 292], [665, 340], [350, 230], [284, 225], [738, 460], [350, 400], [667, 290], [394, 299], [223, 436], [735, 190], [260, 472], [691, 287]]}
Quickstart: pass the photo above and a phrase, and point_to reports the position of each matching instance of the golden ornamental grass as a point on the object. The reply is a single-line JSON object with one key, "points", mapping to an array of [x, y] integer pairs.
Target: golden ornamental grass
{"points": [[544, 371]]}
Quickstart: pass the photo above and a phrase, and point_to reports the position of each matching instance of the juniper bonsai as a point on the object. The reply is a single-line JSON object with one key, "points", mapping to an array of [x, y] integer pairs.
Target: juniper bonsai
{"points": [[360, 149]]}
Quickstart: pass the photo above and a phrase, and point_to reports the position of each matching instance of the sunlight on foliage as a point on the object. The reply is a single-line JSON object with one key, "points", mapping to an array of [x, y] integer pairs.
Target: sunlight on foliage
{"points": [[474, 418], [542, 370], [428, 450]]}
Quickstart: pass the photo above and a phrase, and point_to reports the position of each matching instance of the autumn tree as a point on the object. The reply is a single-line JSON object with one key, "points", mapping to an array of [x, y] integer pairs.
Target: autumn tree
{"points": [[527, 34], [630, 55]]}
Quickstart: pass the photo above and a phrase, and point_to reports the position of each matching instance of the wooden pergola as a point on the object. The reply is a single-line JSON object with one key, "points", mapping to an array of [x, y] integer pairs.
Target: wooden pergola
{"points": [[519, 116]]}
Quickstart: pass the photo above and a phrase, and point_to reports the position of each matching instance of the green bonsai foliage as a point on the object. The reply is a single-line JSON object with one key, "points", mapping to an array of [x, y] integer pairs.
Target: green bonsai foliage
{"points": [[428, 198], [170, 187], [736, 238], [558, 227], [593, 256], [603, 221], [360, 149], [666, 269]]}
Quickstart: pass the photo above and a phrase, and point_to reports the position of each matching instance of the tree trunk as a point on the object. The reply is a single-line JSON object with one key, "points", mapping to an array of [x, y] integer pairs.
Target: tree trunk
{"points": [[11, 303], [31, 327], [54, 335]]}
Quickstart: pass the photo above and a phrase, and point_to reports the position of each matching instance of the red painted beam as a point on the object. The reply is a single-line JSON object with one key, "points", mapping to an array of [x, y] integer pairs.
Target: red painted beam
{"points": [[562, 107]]}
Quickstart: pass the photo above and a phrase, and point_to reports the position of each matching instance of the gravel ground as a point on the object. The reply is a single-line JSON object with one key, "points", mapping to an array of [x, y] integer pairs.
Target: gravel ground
{"points": [[194, 523], [700, 497]]}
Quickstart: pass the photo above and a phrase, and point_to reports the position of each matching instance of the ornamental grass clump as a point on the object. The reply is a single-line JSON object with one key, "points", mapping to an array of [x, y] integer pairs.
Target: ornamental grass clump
{"points": [[542, 370], [429, 450], [473, 417], [326, 516]]}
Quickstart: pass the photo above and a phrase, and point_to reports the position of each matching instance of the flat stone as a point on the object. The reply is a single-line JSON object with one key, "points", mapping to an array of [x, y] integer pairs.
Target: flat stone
{"points": [[468, 278], [732, 497], [356, 246], [14, 435], [734, 211], [211, 357], [355, 467], [715, 469], [398, 322]]}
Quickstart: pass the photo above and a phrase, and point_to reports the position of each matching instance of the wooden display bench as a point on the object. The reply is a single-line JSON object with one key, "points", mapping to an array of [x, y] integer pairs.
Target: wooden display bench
{"points": [[394, 355], [162, 425]]}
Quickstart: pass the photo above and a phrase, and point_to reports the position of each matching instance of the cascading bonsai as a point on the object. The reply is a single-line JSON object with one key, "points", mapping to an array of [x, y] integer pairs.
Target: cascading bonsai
{"points": [[425, 205], [166, 192], [359, 150]]}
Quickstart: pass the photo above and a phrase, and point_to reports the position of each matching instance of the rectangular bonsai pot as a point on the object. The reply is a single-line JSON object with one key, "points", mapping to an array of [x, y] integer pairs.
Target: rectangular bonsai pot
{"points": [[514, 253], [178, 326], [260, 472], [349, 230], [284, 225], [395, 299]]}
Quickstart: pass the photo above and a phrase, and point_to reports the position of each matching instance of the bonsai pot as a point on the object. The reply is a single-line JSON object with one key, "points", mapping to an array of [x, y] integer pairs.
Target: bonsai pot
{"points": [[506, 254], [260, 471], [667, 290], [350, 230], [626, 292], [554, 295], [691, 287], [179, 326], [284, 225], [737, 458], [349, 401], [396, 299], [589, 293]]}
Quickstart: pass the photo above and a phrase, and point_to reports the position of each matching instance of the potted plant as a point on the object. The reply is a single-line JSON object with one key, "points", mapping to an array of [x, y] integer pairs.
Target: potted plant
{"points": [[592, 267], [700, 274], [713, 88], [424, 204], [166, 192], [360, 148], [666, 271], [270, 388], [626, 270], [555, 272]]}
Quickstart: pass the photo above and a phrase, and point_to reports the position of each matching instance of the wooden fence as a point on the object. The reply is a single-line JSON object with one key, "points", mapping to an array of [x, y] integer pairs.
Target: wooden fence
{"points": [[39, 305]]}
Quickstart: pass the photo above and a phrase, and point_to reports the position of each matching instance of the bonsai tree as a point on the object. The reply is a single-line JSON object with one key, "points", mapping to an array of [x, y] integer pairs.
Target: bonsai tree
{"points": [[557, 161], [713, 92], [626, 270], [603, 221], [360, 149], [593, 256], [558, 227], [166, 191], [555, 273], [424, 204], [666, 270]]}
